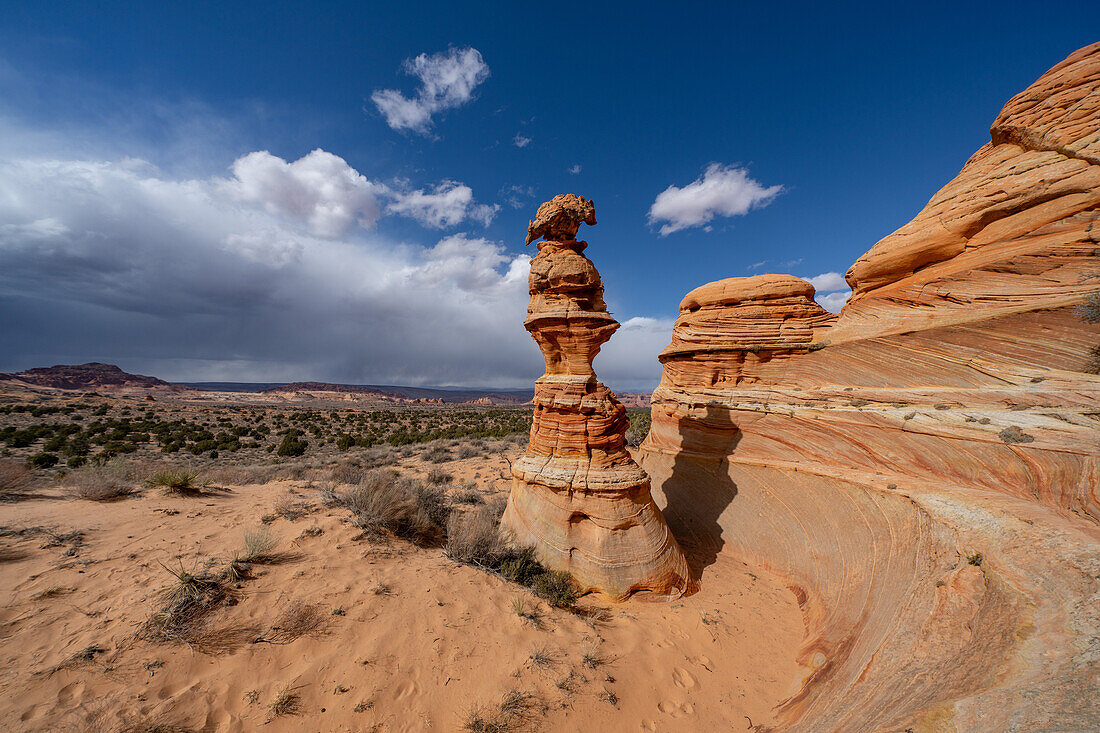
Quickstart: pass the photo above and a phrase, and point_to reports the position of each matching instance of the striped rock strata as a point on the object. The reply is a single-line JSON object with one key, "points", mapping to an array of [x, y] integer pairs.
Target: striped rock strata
{"points": [[577, 496], [924, 469]]}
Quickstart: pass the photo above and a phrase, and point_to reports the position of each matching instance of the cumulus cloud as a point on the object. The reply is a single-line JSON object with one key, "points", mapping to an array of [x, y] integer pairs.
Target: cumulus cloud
{"points": [[447, 80], [828, 282], [832, 290], [575, 169], [720, 191], [520, 141], [320, 189], [833, 302], [448, 204], [118, 261]]}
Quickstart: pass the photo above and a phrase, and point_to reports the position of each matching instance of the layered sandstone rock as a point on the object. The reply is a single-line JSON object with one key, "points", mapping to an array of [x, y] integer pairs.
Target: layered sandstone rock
{"points": [[924, 469], [577, 496]]}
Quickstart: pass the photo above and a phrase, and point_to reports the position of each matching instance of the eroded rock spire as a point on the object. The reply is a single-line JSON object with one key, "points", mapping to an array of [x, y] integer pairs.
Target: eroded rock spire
{"points": [[577, 495]]}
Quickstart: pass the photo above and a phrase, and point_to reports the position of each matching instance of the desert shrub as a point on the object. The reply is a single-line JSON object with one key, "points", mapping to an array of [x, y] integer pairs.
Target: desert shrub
{"points": [[438, 454], [181, 481], [292, 445], [437, 476], [557, 587], [98, 484], [640, 420], [473, 538], [42, 460], [1089, 310], [468, 495], [515, 711], [468, 451], [296, 620], [76, 461], [388, 501], [185, 605], [287, 507], [15, 479], [286, 702], [344, 441], [259, 544]]}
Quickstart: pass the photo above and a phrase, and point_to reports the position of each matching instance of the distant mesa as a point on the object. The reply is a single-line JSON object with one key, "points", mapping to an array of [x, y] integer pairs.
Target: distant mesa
{"points": [[93, 375]]}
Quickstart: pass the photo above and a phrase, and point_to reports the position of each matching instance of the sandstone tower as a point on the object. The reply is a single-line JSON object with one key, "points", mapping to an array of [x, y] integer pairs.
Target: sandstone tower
{"points": [[577, 495]]}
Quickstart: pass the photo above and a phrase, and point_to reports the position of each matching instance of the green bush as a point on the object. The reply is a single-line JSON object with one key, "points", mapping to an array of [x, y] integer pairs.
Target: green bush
{"points": [[292, 445], [42, 460]]}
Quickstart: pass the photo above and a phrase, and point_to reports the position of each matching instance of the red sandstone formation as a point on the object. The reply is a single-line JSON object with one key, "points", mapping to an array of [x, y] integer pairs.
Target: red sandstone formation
{"points": [[577, 495], [924, 468]]}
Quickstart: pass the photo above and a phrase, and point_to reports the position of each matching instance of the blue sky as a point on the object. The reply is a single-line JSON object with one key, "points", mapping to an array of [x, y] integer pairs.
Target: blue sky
{"points": [[160, 206]]}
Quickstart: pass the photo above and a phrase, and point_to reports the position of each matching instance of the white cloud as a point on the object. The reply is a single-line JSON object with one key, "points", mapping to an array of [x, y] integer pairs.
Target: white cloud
{"points": [[832, 290], [448, 204], [575, 169], [833, 302], [117, 261], [757, 265], [447, 80], [828, 282], [320, 189], [720, 191], [520, 141]]}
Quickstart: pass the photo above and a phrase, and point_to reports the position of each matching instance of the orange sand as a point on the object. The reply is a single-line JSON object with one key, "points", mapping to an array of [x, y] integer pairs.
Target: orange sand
{"points": [[443, 641]]}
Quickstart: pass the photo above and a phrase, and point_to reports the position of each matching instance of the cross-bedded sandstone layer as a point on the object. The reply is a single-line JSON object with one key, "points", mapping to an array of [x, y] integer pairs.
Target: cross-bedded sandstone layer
{"points": [[578, 497], [924, 468]]}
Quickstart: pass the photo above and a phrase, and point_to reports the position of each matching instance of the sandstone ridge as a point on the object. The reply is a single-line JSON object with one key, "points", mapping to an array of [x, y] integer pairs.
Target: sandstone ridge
{"points": [[924, 468]]}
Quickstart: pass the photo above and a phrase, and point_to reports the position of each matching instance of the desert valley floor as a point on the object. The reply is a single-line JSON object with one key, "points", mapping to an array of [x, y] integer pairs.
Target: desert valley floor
{"points": [[387, 635]]}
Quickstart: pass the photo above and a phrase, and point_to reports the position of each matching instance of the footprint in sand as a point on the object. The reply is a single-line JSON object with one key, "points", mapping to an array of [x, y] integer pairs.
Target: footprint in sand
{"points": [[676, 709], [70, 693], [406, 689], [683, 678]]}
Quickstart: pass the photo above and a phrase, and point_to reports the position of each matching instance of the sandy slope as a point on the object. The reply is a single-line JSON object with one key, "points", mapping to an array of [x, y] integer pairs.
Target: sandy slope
{"points": [[442, 641]]}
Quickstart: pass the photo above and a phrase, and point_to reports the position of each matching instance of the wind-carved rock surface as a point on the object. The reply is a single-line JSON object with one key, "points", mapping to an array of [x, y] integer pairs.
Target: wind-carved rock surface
{"points": [[577, 496], [923, 469]]}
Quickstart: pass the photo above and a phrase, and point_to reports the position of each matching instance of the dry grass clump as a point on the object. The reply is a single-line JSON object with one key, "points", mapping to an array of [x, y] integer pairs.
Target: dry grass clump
{"points": [[15, 479], [296, 620], [438, 476], [385, 501], [473, 538], [468, 494], [468, 451], [173, 481], [290, 509], [543, 657], [516, 711], [185, 606], [286, 702], [259, 546], [98, 484], [438, 454]]}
